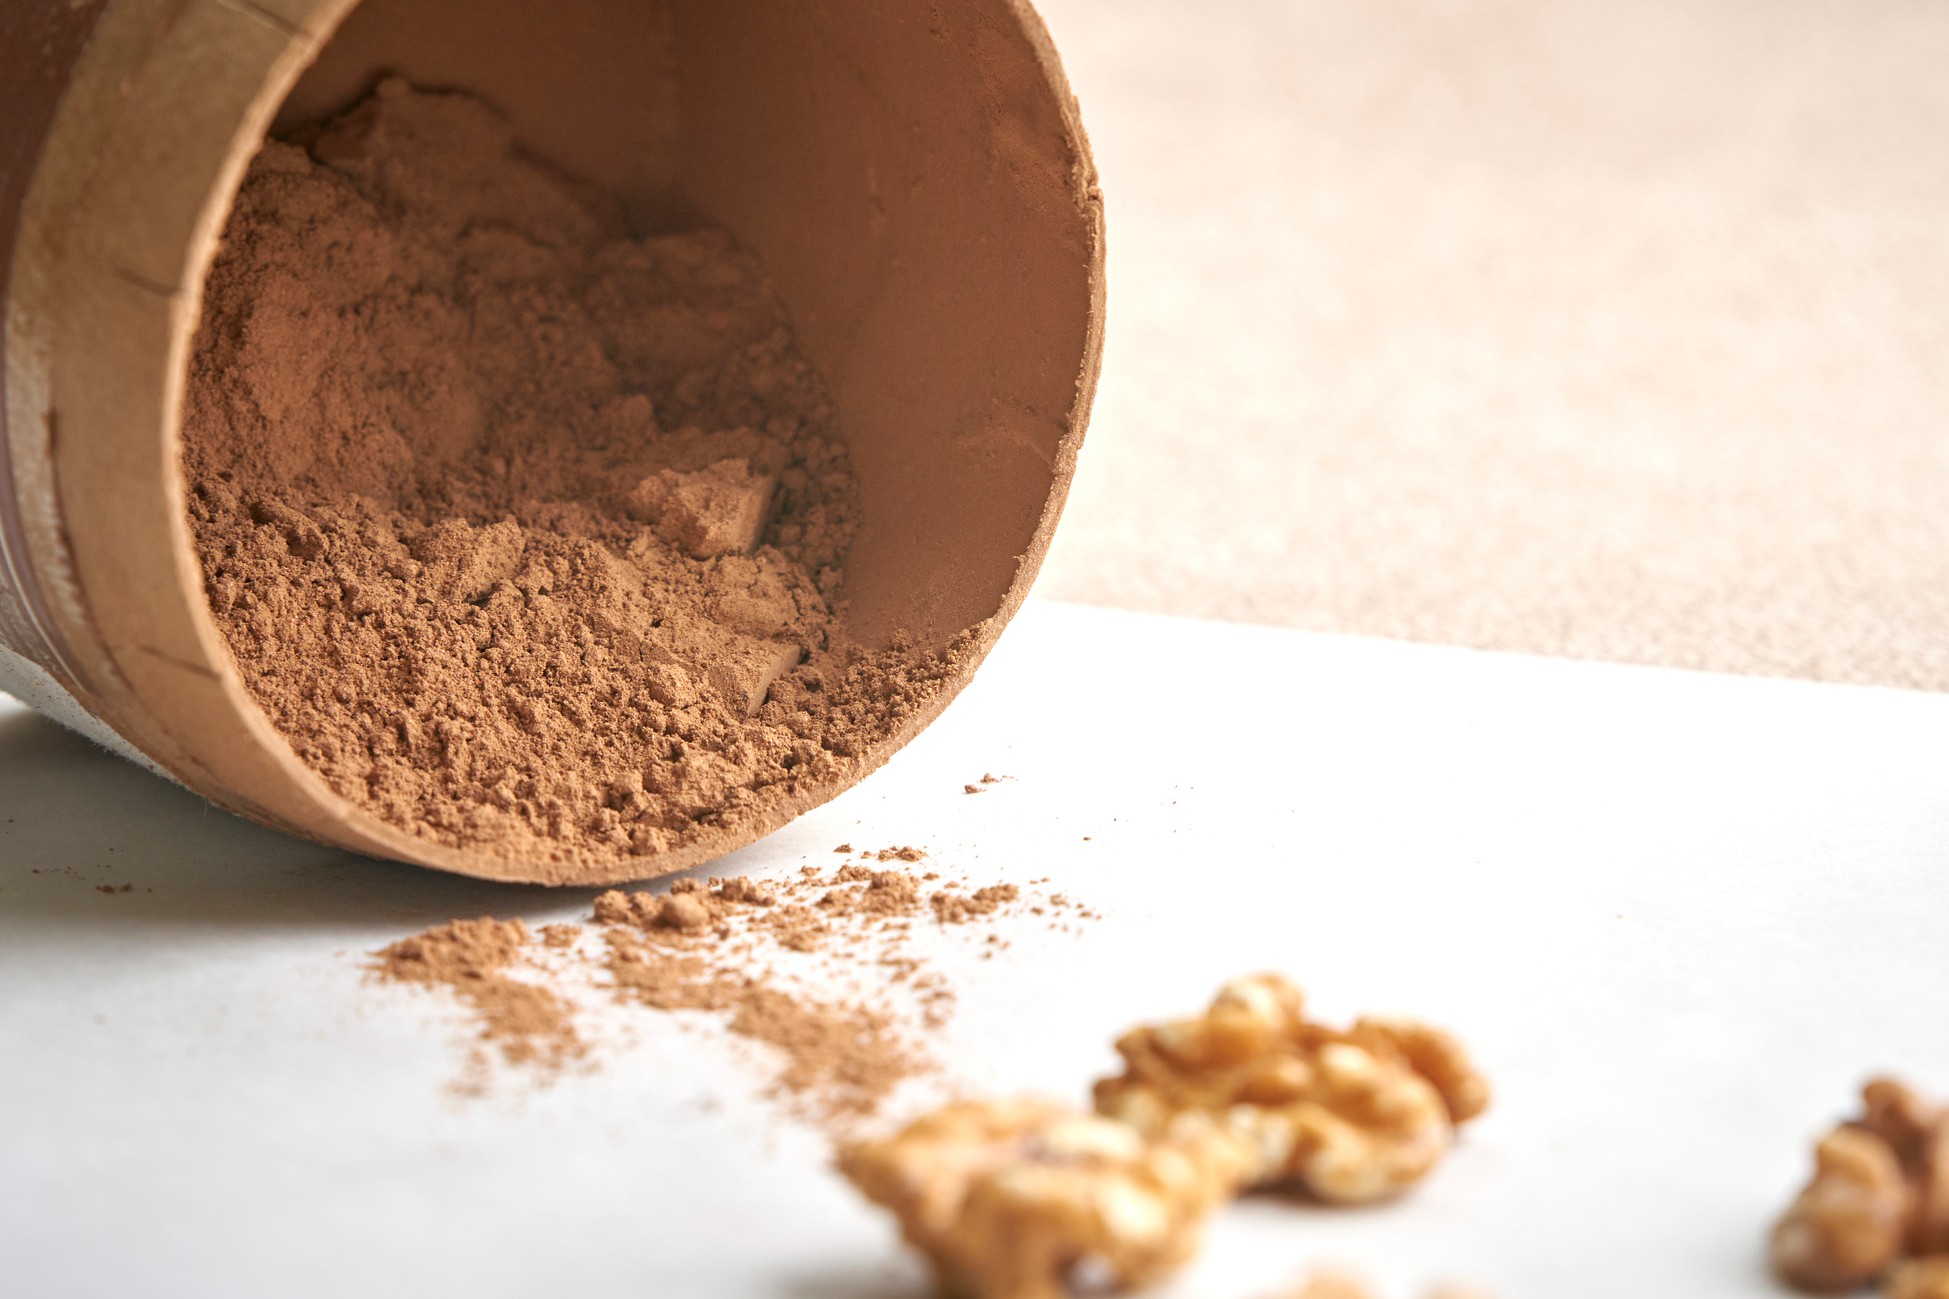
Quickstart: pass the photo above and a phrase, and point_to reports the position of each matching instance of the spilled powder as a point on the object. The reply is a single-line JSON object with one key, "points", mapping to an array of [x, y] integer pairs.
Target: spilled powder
{"points": [[819, 970], [527, 532], [956, 909], [527, 1024], [559, 935]]}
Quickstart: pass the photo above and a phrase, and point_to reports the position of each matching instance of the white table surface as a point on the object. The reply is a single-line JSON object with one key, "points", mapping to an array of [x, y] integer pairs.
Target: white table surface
{"points": [[1678, 916]]}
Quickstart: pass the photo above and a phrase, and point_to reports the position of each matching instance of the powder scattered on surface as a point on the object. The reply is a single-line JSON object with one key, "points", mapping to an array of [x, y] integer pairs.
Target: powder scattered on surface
{"points": [[559, 936], [703, 947], [819, 969], [528, 1024], [837, 1060], [958, 909], [527, 533]]}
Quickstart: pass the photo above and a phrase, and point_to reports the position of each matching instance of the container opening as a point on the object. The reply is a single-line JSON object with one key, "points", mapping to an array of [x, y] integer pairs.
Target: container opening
{"points": [[915, 187], [911, 181]]}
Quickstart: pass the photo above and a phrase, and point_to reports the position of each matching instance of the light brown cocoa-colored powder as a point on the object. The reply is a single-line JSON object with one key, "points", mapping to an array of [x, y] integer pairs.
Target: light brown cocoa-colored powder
{"points": [[818, 968], [837, 1060], [703, 947], [528, 1024], [525, 532], [709, 947], [558, 936], [959, 909]]}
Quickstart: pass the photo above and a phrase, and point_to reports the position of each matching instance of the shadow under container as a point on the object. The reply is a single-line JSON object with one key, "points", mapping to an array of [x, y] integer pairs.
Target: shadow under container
{"points": [[914, 177]]}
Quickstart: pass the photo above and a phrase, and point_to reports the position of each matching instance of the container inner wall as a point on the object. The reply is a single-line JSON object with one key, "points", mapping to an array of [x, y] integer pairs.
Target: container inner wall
{"points": [[908, 177]]}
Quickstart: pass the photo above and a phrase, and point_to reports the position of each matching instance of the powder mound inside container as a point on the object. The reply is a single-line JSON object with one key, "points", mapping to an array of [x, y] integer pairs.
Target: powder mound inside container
{"points": [[526, 533]]}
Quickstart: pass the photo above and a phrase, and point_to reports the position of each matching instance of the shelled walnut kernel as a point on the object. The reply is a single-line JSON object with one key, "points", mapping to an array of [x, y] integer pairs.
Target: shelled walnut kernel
{"points": [[1352, 1116], [1919, 1278], [1877, 1207], [1918, 1133], [1845, 1227], [1010, 1199]]}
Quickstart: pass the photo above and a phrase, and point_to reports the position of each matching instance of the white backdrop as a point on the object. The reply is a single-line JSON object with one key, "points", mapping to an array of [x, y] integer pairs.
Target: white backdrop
{"points": [[1677, 916]]}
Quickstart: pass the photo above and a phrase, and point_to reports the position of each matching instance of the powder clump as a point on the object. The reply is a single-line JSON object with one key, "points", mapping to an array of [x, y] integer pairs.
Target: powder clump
{"points": [[529, 1024], [525, 532], [958, 908]]}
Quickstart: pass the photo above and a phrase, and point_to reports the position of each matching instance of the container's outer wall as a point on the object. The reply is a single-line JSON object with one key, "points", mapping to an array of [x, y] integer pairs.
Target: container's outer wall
{"points": [[40, 43]]}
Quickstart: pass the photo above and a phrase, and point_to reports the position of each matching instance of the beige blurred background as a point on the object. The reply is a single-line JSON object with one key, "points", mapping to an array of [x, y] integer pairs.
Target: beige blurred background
{"points": [[1607, 328]]}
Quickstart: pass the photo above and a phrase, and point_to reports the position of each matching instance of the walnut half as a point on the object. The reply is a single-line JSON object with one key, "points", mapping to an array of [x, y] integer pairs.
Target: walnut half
{"points": [[1845, 1227], [1351, 1115], [1879, 1195], [1013, 1199]]}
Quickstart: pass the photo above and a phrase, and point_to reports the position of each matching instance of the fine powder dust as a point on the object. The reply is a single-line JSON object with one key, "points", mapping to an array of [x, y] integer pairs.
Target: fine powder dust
{"points": [[819, 969], [526, 533], [530, 1025]]}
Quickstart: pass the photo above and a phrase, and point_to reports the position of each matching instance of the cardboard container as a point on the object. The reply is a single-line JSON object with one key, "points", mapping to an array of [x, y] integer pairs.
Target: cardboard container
{"points": [[914, 176]]}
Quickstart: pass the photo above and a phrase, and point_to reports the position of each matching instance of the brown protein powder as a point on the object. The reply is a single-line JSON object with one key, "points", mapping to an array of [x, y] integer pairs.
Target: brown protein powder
{"points": [[530, 1025], [528, 534], [819, 970]]}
